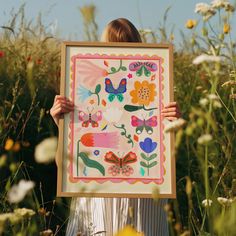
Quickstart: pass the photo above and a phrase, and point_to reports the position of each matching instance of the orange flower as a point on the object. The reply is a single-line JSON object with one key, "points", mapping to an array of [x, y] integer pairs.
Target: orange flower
{"points": [[9, 144], [226, 28], [190, 24], [128, 231], [143, 93]]}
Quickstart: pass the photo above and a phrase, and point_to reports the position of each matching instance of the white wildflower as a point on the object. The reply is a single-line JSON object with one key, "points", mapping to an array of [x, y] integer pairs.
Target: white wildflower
{"points": [[206, 58], [203, 101], [113, 114], [218, 3], [174, 125], [225, 201], [205, 10], [213, 97], [204, 139], [46, 150], [18, 191], [207, 202], [24, 212], [217, 104]]}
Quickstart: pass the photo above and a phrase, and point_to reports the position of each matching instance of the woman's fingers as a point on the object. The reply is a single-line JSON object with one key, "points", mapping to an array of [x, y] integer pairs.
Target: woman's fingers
{"points": [[171, 111]]}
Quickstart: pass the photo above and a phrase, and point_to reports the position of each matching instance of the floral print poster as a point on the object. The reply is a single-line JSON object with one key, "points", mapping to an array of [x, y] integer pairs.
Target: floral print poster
{"points": [[115, 135]]}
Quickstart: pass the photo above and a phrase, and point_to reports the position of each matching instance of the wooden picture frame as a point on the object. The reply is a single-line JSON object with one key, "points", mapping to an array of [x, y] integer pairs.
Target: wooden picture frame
{"points": [[113, 144]]}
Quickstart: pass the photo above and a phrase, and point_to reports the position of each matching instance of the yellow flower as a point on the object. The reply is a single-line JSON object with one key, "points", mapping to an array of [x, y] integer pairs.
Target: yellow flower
{"points": [[143, 93], [226, 28], [16, 147], [190, 24], [9, 144], [128, 231]]}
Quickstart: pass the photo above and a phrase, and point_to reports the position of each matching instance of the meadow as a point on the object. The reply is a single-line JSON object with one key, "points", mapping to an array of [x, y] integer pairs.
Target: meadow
{"points": [[205, 89]]}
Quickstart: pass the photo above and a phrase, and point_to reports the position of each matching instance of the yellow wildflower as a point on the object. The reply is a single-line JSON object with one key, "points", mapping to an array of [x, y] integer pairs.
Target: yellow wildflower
{"points": [[128, 231], [9, 144], [16, 147], [226, 28], [191, 24]]}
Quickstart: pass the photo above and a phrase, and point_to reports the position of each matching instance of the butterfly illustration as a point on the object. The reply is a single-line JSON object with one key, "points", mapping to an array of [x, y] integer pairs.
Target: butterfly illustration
{"points": [[90, 118], [120, 165], [140, 67], [115, 92], [144, 124]]}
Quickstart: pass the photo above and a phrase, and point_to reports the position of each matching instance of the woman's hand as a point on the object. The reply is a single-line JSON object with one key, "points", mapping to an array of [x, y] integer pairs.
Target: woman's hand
{"points": [[171, 111], [60, 106]]}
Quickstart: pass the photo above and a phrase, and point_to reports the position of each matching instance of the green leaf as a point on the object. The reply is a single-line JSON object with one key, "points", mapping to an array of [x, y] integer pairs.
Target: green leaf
{"points": [[131, 108], [154, 155], [98, 89], [152, 164], [122, 133], [142, 163], [143, 156], [113, 69], [123, 68], [91, 163]]}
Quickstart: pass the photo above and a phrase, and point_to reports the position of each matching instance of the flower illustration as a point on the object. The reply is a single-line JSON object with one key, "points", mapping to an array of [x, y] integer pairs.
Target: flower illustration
{"points": [[113, 114], [90, 72], [96, 152], [148, 145], [143, 93], [84, 93]]}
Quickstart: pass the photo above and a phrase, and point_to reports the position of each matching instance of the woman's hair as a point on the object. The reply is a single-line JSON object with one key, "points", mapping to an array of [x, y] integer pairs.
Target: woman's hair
{"points": [[121, 30]]}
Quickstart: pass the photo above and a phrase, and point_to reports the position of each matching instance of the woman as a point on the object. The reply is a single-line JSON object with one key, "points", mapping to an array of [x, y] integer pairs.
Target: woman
{"points": [[108, 215]]}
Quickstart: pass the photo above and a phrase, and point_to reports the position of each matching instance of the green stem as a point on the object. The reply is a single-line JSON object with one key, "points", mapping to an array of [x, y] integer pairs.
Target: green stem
{"points": [[149, 109], [97, 98], [116, 70], [125, 134]]}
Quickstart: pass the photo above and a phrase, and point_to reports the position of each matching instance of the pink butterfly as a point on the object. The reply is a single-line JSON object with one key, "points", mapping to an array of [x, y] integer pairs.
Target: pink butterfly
{"points": [[90, 119], [144, 124]]}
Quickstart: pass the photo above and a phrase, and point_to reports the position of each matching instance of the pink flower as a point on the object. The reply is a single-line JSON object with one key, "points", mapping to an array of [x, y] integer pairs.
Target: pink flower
{"points": [[90, 72]]}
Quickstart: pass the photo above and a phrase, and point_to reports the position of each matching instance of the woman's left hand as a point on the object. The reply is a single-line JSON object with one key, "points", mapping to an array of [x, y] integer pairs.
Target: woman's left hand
{"points": [[171, 111]]}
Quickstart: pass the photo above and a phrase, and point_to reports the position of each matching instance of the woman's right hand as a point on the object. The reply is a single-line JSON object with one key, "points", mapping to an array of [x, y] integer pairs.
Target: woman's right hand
{"points": [[60, 106]]}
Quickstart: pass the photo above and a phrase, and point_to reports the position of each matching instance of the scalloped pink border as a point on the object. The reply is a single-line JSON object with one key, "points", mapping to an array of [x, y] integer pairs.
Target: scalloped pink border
{"points": [[71, 124]]}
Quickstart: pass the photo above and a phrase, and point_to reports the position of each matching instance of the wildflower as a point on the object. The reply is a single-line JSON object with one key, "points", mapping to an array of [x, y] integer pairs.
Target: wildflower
{"points": [[113, 114], [84, 93], [172, 37], [229, 7], [47, 232], [218, 3], [207, 203], [175, 125], [225, 201], [205, 10], [143, 93], [16, 147], [206, 58], [9, 144], [213, 97], [226, 28], [18, 191], [190, 24], [24, 212], [3, 160], [203, 101], [46, 150], [2, 54], [128, 231], [217, 104], [148, 145], [229, 83], [232, 96], [204, 139]]}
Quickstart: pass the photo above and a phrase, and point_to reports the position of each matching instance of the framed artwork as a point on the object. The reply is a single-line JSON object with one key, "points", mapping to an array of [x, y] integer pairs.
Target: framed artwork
{"points": [[113, 144]]}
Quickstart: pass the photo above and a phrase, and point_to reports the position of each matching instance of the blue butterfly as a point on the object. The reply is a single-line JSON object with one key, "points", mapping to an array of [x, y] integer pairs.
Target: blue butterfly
{"points": [[115, 92]]}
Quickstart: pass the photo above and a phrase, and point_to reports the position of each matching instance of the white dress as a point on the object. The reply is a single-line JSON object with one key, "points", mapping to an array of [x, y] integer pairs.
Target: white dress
{"points": [[108, 215]]}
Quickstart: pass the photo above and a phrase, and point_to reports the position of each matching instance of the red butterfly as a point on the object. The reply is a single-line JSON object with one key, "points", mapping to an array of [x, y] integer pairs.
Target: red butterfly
{"points": [[144, 124], [120, 164], [90, 119]]}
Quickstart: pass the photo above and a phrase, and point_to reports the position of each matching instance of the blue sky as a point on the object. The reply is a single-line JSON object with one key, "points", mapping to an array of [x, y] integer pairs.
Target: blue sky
{"points": [[143, 13]]}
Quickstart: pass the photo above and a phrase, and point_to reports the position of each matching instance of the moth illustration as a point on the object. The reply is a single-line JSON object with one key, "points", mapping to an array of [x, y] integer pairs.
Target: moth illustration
{"points": [[143, 67], [89, 118], [115, 92], [120, 165], [144, 124]]}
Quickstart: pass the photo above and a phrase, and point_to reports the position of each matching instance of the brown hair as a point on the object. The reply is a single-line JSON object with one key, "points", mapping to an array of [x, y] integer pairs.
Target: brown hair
{"points": [[121, 30]]}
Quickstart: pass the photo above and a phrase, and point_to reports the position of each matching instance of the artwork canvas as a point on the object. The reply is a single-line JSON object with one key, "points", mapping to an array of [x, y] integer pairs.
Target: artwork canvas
{"points": [[113, 144]]}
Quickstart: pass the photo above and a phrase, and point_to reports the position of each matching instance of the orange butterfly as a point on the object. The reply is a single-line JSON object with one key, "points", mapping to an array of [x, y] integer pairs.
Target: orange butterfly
{"points": [[120, 164]]}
